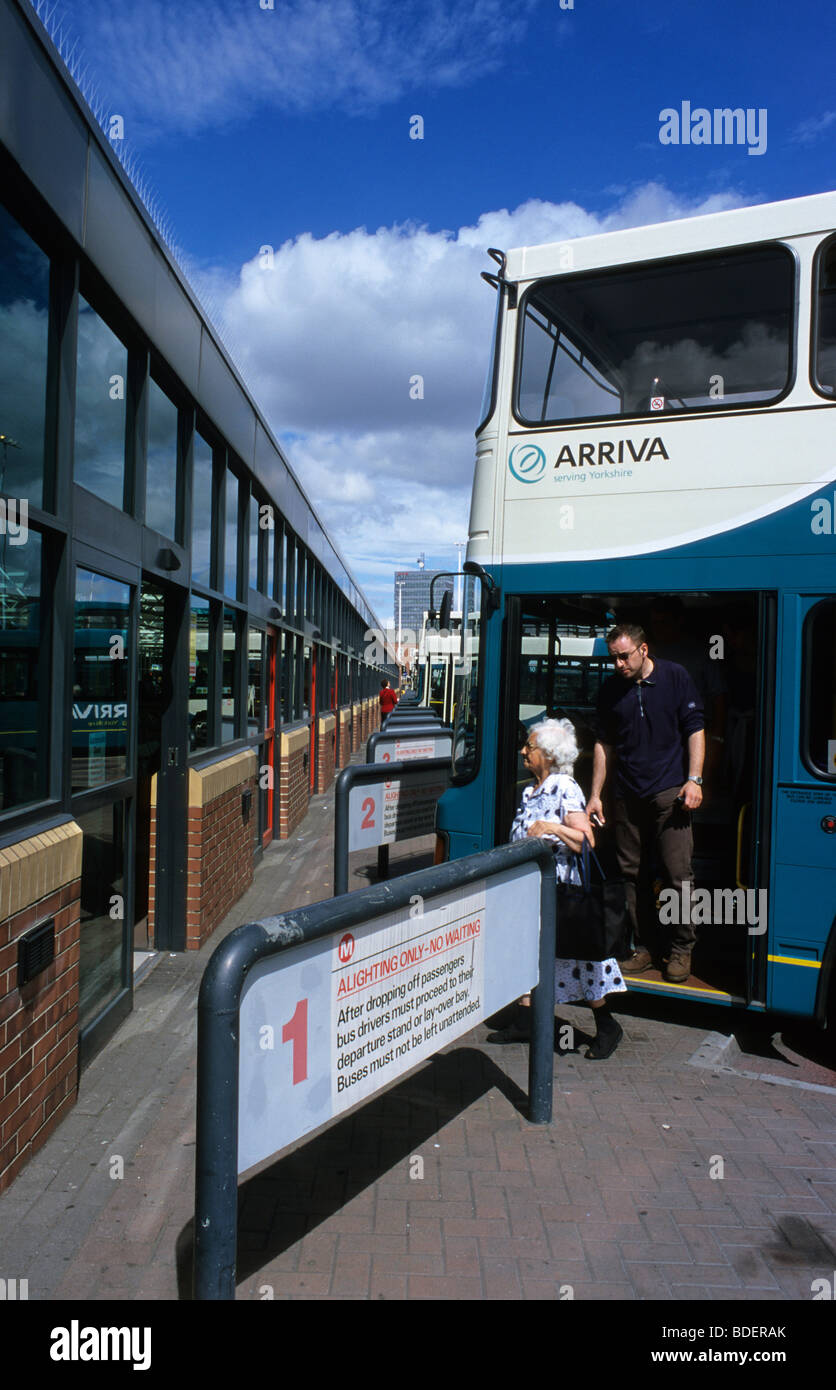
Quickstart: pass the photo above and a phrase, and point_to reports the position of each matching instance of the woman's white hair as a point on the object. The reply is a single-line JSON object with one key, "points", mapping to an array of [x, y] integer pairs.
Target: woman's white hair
{"points": [[556, 738]]}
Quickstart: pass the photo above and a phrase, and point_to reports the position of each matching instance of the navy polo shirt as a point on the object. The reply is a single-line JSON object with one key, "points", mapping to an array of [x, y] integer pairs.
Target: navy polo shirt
{"points": [[648, 723]]}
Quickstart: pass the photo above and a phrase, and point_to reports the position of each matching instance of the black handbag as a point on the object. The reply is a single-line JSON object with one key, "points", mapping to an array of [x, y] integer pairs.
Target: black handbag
{"points": [[592, 918]]}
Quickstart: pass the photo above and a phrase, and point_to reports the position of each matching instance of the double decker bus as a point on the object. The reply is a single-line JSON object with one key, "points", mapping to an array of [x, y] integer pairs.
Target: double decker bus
{"points": [[658, 445], [437, 661]]}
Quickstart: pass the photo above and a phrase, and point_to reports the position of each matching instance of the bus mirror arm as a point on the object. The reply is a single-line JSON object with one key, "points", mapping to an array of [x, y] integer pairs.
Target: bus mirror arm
{"points": [[472, 567]]}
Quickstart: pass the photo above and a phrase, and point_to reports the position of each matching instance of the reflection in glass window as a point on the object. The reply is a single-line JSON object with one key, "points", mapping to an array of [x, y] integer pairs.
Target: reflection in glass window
{"points": [[24, 330], [101, 652], [161, 475], [825, 354], [200, 667], [307, 687], [102, 936], [270, 558], [287, 678], [101, 382], [229, 702], [254, 539], [202, 513], [231, 536], [24, 672], [820, 712], [466, 687], [301, 575], [697, 333], [255, 681]]}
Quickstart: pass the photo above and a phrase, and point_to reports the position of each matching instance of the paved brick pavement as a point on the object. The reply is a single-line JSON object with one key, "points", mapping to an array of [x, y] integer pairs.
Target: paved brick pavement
{"points": [[439, 1188]]}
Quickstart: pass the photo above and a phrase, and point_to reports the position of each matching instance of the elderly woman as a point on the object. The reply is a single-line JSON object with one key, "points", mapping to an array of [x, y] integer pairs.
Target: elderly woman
{"points": [[554, 809]]}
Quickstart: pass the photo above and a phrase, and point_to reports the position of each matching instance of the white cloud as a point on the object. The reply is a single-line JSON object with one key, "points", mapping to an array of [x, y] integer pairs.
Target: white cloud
{"points": [[809, 131], [329, 338], [201, 63]]}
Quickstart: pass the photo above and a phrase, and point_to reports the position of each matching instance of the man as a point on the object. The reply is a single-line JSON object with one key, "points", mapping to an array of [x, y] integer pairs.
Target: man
{"points": [[671, 639], [388, 699], [652, 733]]}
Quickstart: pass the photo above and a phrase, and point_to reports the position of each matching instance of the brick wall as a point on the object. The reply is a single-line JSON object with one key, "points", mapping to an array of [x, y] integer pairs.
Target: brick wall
{"points": [[344, 737], [294, 779], [356, 727], [220, 842], [39, 878], [326, 751]]}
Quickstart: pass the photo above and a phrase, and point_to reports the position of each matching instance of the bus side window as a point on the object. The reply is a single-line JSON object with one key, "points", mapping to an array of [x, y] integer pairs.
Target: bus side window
{"points": [[819, 721]]}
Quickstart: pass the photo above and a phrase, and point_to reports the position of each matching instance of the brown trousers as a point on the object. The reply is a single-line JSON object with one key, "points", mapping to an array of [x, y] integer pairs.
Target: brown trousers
{"points": [[654, 830]]}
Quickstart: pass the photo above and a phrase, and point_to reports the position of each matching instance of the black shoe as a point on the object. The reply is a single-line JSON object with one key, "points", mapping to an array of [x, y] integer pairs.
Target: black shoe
{"points": [[518, 1030], [609, 1035]]}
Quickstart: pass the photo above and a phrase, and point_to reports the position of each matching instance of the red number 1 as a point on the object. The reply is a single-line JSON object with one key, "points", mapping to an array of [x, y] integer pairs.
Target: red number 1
{"points": [[295, 1031]]}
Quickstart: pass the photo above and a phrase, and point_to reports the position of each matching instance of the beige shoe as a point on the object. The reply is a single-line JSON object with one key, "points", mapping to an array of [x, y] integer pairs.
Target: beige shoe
{"points": [[678, 967], [640, 960]]}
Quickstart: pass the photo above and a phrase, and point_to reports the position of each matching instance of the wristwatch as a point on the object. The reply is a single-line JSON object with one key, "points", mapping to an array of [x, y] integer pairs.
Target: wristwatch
{"points": [[698, 780]]}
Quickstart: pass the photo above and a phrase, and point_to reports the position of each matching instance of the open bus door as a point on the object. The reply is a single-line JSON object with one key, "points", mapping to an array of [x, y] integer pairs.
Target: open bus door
{"points": [[553, 667]]}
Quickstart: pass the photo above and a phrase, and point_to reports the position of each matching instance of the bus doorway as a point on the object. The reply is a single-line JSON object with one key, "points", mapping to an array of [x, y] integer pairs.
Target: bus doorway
{"points": [[556, 661]]}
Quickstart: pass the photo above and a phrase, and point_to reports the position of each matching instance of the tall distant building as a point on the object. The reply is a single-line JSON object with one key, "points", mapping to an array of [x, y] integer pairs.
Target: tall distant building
{"points": [[415, 596]]}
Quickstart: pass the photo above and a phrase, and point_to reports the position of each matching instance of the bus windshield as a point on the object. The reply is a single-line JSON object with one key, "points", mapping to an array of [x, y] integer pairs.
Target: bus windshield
{"points": [[687, 334]]}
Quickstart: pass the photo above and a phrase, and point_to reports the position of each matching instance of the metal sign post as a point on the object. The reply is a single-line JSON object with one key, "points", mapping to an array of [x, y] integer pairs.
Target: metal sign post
{"points": [[303, 1015], [382, 803]]}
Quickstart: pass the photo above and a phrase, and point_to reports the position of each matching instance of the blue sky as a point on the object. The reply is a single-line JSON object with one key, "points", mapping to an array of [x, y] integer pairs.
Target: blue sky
{"points": [[289, 128]]}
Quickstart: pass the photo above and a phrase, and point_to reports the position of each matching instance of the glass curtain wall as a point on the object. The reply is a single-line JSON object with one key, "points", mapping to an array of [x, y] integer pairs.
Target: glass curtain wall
{"points": [[100, 408]]}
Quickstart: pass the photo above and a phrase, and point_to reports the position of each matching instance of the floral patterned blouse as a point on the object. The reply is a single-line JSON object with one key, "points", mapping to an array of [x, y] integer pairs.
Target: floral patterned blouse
{"points": [[573, 979], [556, 795]]}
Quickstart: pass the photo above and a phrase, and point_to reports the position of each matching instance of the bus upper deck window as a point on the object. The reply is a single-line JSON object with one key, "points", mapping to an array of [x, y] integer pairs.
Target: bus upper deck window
{"points": [[695, 333]]}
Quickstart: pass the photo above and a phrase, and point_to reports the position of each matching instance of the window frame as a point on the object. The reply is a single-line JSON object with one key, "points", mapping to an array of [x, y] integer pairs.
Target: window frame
{"points": [[662, 263]]}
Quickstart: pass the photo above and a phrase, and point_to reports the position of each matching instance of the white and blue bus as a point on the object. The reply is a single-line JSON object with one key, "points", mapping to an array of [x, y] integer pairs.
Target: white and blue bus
{"points": [[438, 659], [658, 445]]}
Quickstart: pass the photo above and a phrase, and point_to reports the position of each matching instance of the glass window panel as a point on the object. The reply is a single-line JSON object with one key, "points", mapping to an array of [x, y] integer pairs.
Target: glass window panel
{"points": [[161, 476], [301, 578], [270, 561], [229, 703], [231, 536], [202, 512], [825, 358], [101, 970], [100, 408], [101, 652], [692, 334], [467, 681], [255, 680], [820, 714], [286, 678], [281, 571], [307, 683], [24, 330], [24, 674], [200, 667], [254, 539]]}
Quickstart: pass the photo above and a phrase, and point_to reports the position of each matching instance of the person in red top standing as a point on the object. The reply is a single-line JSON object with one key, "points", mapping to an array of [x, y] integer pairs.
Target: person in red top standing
{"points": [[388, 699]]}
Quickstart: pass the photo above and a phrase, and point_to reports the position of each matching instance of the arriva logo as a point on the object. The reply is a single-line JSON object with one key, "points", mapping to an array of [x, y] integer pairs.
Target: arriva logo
{"points": [[527, 462]]}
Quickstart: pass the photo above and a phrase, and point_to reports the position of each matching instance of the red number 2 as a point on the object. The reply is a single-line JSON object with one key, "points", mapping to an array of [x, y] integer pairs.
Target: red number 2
{"points": [[295, 1031], [368, 807]]}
